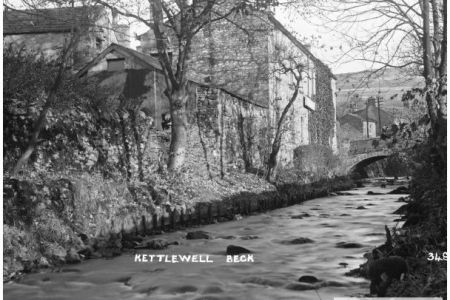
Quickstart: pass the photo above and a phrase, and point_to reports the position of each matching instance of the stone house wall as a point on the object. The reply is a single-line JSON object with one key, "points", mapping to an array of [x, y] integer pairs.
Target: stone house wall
{"points": [[296, 125], [220, 126], [94, 38]]}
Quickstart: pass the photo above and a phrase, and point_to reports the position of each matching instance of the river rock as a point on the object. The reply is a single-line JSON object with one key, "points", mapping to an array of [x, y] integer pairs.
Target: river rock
{"points": [[43, 263], [56, 252], [196, 235], [346, 245], [212, 290], [344, 194], [332, 283], [298, 241], [402, 210], [402, 199], [301, 216], [358, 272], [373, 193], [226, 237], [237, 217], [236, 250], [72, 256], [400, 190], [157, 244], [308, 279], [391, 267]]}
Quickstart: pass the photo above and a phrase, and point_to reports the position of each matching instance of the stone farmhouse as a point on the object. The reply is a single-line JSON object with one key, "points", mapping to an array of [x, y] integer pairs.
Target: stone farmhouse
{"points": [[365, 123], [46, 31], [243, 61], [236, 93]]}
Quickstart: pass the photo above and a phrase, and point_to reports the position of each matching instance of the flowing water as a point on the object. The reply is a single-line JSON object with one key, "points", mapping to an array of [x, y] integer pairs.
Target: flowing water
{"points": [[273, 274]]}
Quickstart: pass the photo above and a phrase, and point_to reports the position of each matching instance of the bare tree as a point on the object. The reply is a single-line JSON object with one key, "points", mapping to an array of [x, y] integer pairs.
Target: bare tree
{"points": [[64, 61], [181, 20], [406, 34], [290, 64]]}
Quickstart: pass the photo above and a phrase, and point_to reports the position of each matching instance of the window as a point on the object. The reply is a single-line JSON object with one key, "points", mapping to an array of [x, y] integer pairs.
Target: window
{"points": [[98, 44], [116, 64]]}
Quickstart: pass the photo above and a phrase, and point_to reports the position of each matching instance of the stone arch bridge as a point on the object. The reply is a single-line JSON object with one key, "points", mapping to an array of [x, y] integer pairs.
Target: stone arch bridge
{"points": [[364, 152]]}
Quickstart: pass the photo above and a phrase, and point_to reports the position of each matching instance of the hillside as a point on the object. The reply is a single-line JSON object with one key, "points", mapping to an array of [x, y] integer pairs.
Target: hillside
{"points": [[357, 87]]}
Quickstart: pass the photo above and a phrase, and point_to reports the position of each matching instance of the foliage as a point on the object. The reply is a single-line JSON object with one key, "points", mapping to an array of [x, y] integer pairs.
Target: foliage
{"points": [[322, 120], [424, 230], [84, 131], [311, 164]]}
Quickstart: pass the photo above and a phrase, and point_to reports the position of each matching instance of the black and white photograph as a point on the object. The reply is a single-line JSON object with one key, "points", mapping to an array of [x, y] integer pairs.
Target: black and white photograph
{"points": [[224, 149]]}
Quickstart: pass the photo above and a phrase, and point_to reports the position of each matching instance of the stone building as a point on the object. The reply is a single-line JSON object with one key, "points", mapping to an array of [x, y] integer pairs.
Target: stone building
{"points": [[364, 123], [219, 123], [243, 59], [47, 31]]}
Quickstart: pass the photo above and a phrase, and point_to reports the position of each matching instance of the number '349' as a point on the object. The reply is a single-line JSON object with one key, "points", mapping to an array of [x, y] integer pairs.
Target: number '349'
{"points": [[437, 257]]}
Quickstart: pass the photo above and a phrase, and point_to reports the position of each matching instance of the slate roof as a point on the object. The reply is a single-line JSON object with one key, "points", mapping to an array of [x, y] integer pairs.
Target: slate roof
{"points": [[48, 20], [357, 118], [353, 120], [372, 112], [145, 60]]}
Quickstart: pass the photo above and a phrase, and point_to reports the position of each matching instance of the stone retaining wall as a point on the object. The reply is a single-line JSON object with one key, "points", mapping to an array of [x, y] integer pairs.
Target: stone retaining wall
{"points": [[48, 223]]}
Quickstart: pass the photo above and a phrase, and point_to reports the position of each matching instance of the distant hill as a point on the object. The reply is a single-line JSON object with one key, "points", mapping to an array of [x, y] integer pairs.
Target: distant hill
{"points": [[357, 87]]}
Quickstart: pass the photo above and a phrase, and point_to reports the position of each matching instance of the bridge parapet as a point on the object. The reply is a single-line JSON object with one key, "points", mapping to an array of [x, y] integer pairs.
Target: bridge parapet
{"points": [[367, 146]]}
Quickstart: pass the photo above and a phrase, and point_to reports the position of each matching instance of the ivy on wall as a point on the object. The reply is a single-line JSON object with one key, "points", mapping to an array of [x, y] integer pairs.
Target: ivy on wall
{"points": [[321, 121]]}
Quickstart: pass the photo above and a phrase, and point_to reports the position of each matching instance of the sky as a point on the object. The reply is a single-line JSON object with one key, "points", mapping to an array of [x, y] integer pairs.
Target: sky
{"points": [[326, 45]]}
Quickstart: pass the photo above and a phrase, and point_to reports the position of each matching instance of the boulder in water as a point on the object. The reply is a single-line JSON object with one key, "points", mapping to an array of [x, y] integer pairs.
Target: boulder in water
{"points": [[344, 194], [382, 271], [373, 193], [308, 279], [157, 244], [298, 241], [226, 237], [72, 256], [361, 207], [197, 235], [301, 216], [236, 250], [400, 190], [346, 245]]}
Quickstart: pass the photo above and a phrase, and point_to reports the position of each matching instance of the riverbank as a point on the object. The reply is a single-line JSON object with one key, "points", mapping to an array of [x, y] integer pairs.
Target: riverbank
{"points": [[53, 221], [300, 251], [420, 242]]}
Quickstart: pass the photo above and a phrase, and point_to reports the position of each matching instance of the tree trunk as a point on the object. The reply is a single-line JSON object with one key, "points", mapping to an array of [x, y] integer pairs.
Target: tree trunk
{"points": [[436, 102], [245, 151], [178, 142], [126, 147], [138, 140], [40, 122], [276, 145]]}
